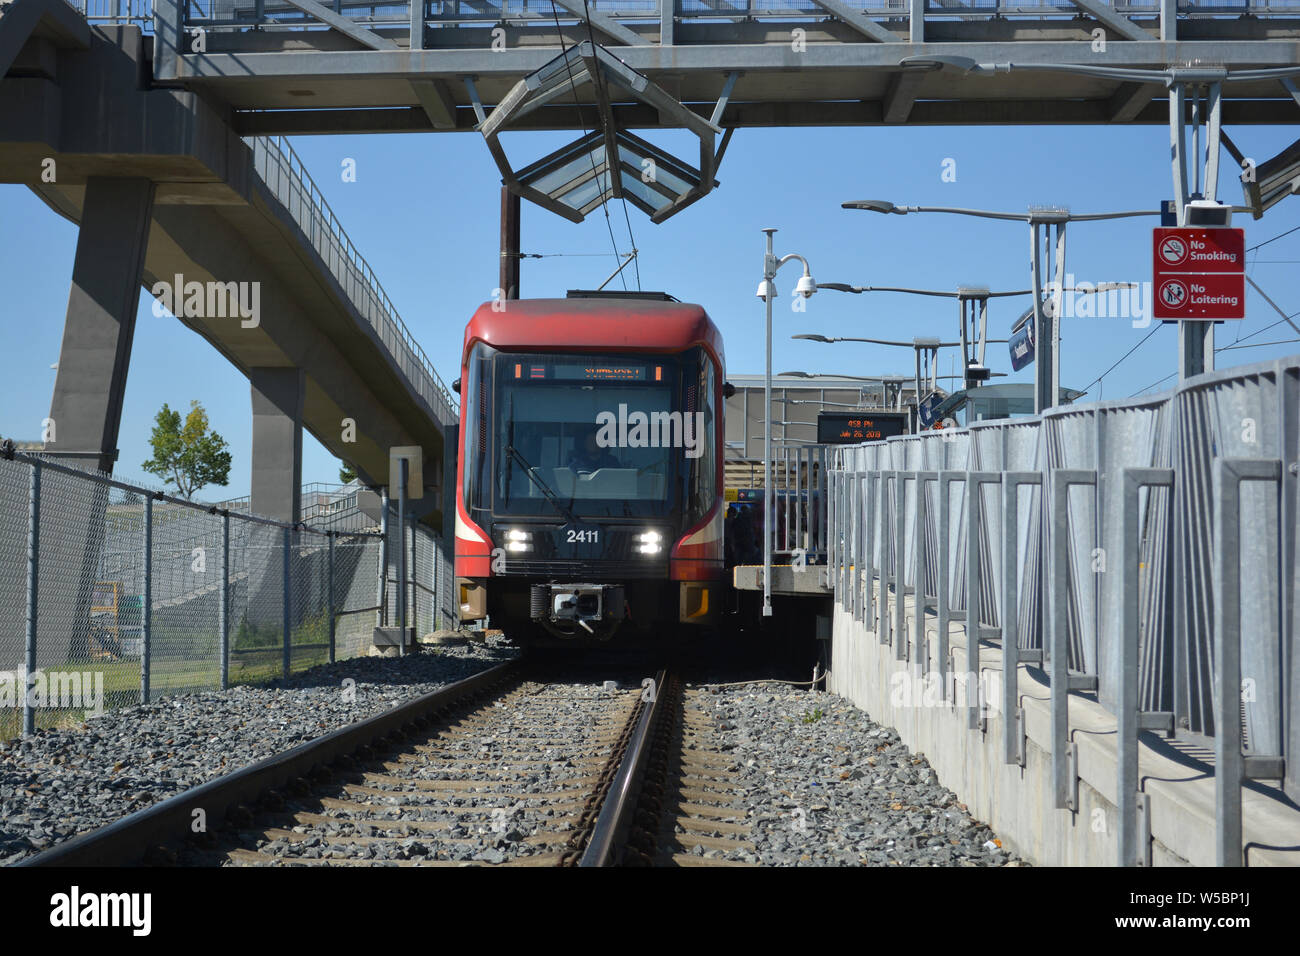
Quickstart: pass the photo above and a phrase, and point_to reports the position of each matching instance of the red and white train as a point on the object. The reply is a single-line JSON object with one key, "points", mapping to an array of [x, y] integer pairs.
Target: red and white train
{"points": [[589, 496]]}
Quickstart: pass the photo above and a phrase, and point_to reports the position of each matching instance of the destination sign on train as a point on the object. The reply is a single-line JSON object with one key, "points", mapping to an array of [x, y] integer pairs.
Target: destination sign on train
{"points": [[850, 428], [596, 372]]}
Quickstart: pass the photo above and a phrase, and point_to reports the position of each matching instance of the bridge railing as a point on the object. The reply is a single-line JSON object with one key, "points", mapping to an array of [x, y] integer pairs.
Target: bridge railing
{"points": [[284, 174], [1142, 551], [244, 14], [241, 14], [139, 12]]}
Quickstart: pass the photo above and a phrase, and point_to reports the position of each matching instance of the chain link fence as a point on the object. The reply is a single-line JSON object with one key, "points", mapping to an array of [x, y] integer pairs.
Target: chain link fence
{"points": [[113, 594]]}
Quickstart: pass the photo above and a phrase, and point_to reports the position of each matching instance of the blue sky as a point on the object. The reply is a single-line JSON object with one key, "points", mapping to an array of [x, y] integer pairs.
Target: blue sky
{"points": [[424, 212]]}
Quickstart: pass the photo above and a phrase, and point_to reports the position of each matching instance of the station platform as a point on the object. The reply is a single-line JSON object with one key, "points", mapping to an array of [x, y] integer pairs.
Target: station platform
{"points": [[812, 580]]}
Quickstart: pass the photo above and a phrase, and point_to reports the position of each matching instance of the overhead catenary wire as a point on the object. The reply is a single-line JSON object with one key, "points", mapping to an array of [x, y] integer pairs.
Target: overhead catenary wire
{"points": [[1255, 345], [568, 68], [611, 162], [1098, 379]]}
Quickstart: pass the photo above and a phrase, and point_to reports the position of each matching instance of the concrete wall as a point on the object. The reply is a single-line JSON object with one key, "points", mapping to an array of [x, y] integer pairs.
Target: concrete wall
{"points": [[1017, 802]]}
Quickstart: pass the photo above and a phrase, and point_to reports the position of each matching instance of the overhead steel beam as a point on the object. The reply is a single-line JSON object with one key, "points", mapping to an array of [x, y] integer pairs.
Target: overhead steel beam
{"points": [[517, 62], [342, 24], [606, 123], [605, 23], [754, 115], [1292, 89], [667, 17], [857, 20], [721, 105], [1129, 100], [437, 103], [1108, 17], [901, 95]]}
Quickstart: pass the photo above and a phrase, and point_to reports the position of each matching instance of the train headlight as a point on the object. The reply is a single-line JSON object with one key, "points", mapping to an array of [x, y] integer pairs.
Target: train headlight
{"points": [[649, 542], [519, 540]]}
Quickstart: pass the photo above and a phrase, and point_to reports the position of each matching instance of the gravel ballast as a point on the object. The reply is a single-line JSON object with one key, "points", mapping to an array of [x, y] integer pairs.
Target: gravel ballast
{"points": [[818, 782], [827, 785], [59, 783]]}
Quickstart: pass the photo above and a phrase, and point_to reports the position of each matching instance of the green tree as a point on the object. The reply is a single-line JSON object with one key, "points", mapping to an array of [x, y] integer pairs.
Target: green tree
{"points": [[346, 472], [187, 454]]}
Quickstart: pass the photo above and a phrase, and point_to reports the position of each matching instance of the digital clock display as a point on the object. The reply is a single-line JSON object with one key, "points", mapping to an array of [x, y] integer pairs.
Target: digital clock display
{"points": [[852, 428]]}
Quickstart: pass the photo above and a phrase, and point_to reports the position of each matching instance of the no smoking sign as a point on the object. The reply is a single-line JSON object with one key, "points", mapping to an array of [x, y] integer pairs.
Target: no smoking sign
{"points": [[1199, 273]]}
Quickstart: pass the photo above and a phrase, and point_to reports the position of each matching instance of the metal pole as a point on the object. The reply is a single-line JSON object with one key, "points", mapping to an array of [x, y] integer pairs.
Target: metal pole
{"points": [[329, 596], [383, 559], [965, 345], [146, 600], [224, 607], [1058, 283], [1043, 362], [33, 584], [509, 273], [769, 272], [401, 555], [285, 621], [916, 415], [414, 575], [798, 498]]}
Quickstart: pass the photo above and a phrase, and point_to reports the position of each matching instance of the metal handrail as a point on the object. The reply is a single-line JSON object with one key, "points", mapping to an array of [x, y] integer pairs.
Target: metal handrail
{"points": [[275, 154]]}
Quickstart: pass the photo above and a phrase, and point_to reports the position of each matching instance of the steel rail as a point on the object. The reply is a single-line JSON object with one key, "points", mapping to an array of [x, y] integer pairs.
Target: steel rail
{"points": [[171, 822], [610, 830]]}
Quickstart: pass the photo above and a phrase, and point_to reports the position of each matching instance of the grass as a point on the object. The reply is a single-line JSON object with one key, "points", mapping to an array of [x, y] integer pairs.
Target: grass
{"points": [[256, 657]]}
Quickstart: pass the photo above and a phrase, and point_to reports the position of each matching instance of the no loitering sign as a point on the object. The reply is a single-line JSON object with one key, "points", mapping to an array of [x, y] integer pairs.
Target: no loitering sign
{"points": [[1199, 273]]}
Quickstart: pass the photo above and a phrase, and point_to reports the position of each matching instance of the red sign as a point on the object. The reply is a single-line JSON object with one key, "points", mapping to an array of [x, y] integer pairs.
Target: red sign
{"points": [[1199, 250], [1200, 296], [1199, 273]]}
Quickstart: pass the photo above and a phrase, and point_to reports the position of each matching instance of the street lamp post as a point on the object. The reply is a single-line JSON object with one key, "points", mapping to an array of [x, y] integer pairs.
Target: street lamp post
{"points": [[1052, 219], [1192, 200], [767, 292], [972, 317]]}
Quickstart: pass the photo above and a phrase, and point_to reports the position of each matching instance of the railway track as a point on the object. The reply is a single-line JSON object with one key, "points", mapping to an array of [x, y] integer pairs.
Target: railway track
{"points": [[508, 767]]}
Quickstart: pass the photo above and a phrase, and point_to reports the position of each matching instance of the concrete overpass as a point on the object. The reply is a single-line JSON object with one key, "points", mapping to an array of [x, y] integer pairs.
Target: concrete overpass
{"points": [[162, 186]]}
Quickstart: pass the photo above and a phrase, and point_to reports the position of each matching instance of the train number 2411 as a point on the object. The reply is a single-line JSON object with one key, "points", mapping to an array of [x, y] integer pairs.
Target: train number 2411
{"points": [[583, 535]]}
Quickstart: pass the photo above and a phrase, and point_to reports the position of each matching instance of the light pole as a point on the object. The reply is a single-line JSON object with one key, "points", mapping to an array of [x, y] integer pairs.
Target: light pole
{"points": [[972, 319], [884, 381], [1045, 222], [1196, 203], [767, 292], [930, 346]]}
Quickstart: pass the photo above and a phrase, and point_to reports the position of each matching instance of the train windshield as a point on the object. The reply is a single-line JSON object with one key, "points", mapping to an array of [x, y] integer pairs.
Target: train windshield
{"points": [[595, 435]]}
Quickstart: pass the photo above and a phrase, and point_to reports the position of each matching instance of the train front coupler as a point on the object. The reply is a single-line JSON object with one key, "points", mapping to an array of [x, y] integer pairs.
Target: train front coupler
{"points": [[569, 610]]}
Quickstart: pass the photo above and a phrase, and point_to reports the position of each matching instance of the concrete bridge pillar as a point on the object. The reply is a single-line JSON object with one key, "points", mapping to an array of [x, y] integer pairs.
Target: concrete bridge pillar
{"points": [[276, 492], [277, 443], [86, 410]]}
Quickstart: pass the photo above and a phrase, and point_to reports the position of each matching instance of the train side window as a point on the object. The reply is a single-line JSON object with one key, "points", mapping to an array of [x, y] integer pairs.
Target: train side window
{"points": [[704, 467], [477, 425]]}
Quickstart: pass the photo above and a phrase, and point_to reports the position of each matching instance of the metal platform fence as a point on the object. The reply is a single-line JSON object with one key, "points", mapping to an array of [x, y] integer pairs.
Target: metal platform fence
{"points": [[799, 475], [113, 594], [1142, 552]]}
